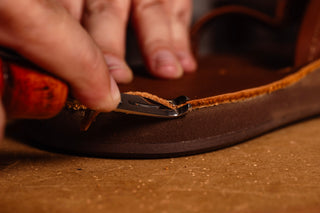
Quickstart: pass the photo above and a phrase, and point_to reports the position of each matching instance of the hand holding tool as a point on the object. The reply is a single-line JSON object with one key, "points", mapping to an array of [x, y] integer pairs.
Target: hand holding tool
{"points": [[28, 91]]}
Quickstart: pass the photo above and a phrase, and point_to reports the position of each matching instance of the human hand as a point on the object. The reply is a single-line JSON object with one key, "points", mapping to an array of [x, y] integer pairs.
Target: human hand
{"points": [[44, 32], [49, 33], [162, 27]]}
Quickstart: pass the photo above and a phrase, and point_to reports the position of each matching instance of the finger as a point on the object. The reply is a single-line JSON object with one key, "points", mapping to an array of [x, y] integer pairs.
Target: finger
{"points": [[74, 7], [51, 38], [106, 21], [180, 23], [152, 23]]}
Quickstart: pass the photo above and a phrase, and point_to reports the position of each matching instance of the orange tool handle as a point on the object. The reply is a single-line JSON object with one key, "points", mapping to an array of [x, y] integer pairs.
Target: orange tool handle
{"points": [[27, 92]]}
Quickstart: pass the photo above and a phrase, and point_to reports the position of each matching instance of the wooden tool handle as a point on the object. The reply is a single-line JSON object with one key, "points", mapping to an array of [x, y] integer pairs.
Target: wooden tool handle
{"points": [[30, 93]]}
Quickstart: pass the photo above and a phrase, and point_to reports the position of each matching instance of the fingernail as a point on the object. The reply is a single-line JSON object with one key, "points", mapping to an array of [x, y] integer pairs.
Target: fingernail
{"points": [[114, 89], [165, 65], [112, 99], [118, 69], [187, 61]]}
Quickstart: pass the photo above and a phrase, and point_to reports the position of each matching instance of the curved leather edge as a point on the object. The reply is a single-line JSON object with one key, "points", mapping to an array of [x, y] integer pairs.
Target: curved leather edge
{"points": [[240, 95], [202, 130], [209, 101]]}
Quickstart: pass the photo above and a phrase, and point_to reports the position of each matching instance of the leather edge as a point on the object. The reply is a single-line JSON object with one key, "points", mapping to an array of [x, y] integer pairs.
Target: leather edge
{"points": [[240, 95]]}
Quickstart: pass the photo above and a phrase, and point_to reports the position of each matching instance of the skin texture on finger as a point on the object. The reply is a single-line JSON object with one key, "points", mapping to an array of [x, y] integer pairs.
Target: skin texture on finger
{"points": [[51, 38], [153, 25], [74, 7], [180, 11], [106, 21]]}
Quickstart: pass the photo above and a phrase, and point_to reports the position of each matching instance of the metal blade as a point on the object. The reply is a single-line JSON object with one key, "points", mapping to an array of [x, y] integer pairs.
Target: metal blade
{"points": [[134, 104]]}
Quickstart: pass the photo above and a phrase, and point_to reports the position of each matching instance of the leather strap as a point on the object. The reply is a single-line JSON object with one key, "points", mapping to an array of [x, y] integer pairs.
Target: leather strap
{"points": [[308, 43], [276, 21]]}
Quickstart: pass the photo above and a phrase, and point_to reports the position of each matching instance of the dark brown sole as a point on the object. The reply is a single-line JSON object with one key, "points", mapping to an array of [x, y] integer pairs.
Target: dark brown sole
{"points": [[119, 135]]}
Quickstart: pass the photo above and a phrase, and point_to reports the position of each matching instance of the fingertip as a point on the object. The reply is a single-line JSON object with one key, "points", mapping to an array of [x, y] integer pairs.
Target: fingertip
{"points": [[100, 96], [165, 65], [187, 62], [115, 93], [118, 69], [110, 99]]}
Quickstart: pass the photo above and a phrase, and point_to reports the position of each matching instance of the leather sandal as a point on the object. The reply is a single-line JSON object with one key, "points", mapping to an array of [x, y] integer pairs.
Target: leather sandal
{"points": [[232, 97]]}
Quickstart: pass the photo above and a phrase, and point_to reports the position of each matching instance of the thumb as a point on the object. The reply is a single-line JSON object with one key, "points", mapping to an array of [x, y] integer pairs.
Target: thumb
{"points": [[46, 34]]}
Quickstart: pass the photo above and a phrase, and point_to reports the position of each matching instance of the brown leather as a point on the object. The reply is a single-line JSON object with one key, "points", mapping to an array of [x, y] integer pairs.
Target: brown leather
{"points": [[206, 129], [217, 74], [233, 97], [308, 44]]}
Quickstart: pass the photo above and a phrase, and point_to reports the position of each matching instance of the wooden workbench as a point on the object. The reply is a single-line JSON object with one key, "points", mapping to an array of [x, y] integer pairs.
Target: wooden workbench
{"points": [[277, 172]]}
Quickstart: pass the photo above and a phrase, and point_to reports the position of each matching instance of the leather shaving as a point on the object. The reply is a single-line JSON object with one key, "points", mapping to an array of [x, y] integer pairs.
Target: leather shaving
{"points": [[155, 98]]}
